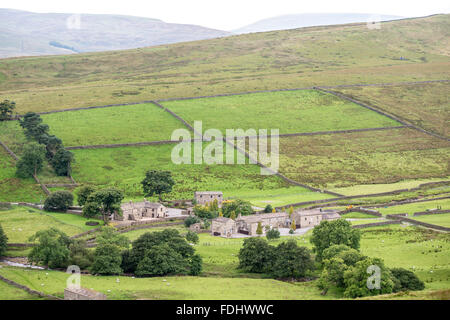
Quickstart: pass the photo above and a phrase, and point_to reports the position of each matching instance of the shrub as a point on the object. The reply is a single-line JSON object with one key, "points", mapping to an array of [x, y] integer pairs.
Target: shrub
{"points": [[195, 267], [238, 206], [58, 201], [107, 260], [192, 237], [32, 160], [204, 212], [83, 193], [406, 280], [61, 162], [161, 260], [3, 242], [273, 234], [268, 209], [80, 255], [6, 110]]}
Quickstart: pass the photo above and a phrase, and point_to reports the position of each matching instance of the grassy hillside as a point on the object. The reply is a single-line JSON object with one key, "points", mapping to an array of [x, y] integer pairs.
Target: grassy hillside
{"points": [[415, 49]]}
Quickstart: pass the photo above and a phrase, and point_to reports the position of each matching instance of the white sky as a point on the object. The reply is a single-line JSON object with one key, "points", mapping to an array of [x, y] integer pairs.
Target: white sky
{"points": [[229, 14]]}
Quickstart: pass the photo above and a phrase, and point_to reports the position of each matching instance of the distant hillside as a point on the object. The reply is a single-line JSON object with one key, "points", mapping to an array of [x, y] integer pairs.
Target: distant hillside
{"points": [[29, 34], [293, 21]]}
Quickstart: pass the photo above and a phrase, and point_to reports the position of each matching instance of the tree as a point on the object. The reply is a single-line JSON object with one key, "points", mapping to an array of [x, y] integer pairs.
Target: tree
{"points": [[291, 261], [157, 183], [259, 229], [291, 211], [32, 160], [293, 226], [61, 162], [192, 237], [195, 267], [105, 202], [273, 234], [52, 144], [109, 235], [6, 110], [406, 280], [58, 201], [52, 248], [33, 126], [233, 215], [240, 207], [83, 193], [161, 260], [190, 221], [356, 279], [107, 260], [204, 212], [3, 241], [268, 209], [256, 255], [80, 255], [328, 233]]}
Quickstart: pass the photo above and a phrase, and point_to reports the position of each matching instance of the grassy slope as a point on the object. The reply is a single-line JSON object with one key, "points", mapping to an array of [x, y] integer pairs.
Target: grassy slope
{"points": [[125, 124], [20, 223], [374, 158], [14, 189], [427, 106], [125, 168], [8, 292], [399, 246], [416, 207], [438, 219], [296, 111], [280, 59]]}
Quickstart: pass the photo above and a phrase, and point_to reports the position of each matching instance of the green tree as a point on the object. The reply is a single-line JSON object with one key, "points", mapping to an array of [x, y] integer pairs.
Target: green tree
{"points": [[190, 221], [259, 229], [256, 255], [52, 144], [80, 255], [32, 124], [406, 280], [268, 209], [3, 241], [105, 202], [157, 183], [356, 279], [291, 211], [161, 260], [291, 261], [83, 193], [196, 265], [233, 215], [62, 161], [238, 206], [328, 233], [58, 201], [204, 212], [7, 110], [32, 160], [107, 260], [110, 235], [273, 234], [192, 237], [52, 248]]}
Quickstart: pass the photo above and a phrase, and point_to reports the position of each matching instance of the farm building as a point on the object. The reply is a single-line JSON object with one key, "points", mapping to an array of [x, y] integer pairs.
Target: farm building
{"points": [[142, 210], [206, 197], [247, 225]]}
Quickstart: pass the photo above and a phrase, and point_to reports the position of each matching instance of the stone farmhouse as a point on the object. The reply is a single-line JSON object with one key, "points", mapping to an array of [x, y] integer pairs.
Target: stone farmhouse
{"points": [[205, 197], [141, 210], [247, 225]]}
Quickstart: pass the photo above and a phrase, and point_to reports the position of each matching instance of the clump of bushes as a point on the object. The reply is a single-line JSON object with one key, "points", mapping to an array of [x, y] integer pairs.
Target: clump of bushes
{"points": [[58, 201], [3, 241]]}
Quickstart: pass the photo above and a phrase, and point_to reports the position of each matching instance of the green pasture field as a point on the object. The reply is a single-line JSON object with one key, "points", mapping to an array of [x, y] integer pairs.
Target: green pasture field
{"points": [[357, 215], [410, 208], [326, 55], [424, 251], [20, 223], [379, 188], [425, 105], [290, 112], [441, 219], [8, 292], [381, 157], [366, 221], [13, 189], [124, 168], [122, 124]]}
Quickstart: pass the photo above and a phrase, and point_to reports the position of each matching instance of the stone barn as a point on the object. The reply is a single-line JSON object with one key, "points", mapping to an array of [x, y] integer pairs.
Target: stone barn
{"points": [[311, 218], [224, 227], [248, 224], [142, 210], [207, 197]]}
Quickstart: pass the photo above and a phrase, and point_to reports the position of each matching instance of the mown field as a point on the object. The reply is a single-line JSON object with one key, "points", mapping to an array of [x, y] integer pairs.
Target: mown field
{"points": [[124, 168], [13, 189], [425, 105], [289, 112], [410, 208], [423, 251], [358, 158], [20, 223], [344, 54], [123, 124], [442, 219]]}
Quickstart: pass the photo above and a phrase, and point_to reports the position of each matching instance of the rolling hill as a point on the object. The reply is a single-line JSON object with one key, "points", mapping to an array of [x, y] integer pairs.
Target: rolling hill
{"points": [[292, 21], [25, 33]]}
